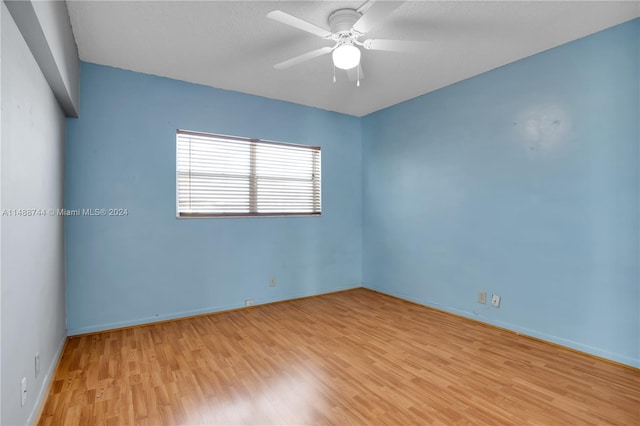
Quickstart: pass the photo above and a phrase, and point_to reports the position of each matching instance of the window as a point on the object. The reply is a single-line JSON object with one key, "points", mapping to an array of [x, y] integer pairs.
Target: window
{"points": [[231, 176]]}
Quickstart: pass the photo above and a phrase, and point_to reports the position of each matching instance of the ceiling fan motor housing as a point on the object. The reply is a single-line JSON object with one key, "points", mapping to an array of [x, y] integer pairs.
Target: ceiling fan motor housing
{"points": [[341, 21]]}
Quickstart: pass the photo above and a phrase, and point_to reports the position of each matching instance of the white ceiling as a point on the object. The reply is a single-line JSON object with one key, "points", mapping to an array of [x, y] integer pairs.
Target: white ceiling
{"points": [[232, 45]]}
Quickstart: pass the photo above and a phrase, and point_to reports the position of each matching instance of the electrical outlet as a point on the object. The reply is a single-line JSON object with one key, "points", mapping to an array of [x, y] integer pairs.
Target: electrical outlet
{"points": [[495, 300], [482, 297], [248, 302], [272, 282], [37, 364], [23, 391]]}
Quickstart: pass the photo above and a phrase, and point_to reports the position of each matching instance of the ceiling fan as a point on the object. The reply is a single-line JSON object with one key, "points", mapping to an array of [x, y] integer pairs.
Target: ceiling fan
{"points": [[346, 27]]}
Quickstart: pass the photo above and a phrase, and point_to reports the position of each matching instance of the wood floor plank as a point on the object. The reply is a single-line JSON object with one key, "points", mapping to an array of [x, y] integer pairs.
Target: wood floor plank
{"points": [[355, 357]]}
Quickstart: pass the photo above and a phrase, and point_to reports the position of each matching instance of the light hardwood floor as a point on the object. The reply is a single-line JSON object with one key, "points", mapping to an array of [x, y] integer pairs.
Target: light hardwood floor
{"points": [[355, 357]]}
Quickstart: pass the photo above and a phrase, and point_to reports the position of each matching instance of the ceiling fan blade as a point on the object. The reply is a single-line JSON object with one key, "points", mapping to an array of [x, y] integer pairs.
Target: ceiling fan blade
{"points": [[285, 18], [352, 74], [302, 58], [375, 14], [365, 6], [404, 46]]}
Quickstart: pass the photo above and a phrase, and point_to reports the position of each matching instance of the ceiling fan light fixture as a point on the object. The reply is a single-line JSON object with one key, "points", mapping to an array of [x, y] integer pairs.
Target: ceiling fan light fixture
{"points": [[346, 56]]}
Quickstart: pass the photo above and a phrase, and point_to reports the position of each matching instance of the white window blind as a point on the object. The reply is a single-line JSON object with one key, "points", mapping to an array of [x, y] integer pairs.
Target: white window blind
{"points": [[231, 176]]}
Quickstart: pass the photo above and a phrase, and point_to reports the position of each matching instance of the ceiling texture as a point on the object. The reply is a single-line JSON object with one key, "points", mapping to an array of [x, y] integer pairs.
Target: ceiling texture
{"points": [[233, 45]]}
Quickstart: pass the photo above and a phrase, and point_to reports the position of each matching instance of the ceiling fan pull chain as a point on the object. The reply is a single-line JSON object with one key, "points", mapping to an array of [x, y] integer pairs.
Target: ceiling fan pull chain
{"points": [[334, 73], [358, 82]]}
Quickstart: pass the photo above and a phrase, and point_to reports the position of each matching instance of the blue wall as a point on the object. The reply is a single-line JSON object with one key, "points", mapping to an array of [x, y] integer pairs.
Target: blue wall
{"points": [[524, 182], [149, 265]]}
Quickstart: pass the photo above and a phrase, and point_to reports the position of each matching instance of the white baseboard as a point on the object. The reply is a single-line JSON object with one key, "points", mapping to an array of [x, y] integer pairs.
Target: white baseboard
{"points": [[42, 393]]}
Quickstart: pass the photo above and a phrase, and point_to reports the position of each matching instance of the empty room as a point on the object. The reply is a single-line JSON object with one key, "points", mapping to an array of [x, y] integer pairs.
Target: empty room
{"points": [[320, 212]]}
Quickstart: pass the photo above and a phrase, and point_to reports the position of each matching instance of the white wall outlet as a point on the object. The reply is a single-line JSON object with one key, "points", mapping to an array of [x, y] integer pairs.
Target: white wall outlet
{"points": [[272, 282], [23, 391], [482, 297], [248, 302], [495, 300], [37, 364]]}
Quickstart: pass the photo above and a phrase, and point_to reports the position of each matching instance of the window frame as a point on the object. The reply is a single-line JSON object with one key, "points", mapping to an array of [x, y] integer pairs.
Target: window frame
{"points": [[253, 179]]}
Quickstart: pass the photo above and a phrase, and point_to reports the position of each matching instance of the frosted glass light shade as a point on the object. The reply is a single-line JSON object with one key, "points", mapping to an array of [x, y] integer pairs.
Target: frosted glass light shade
{"points": [[346, 57]]}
